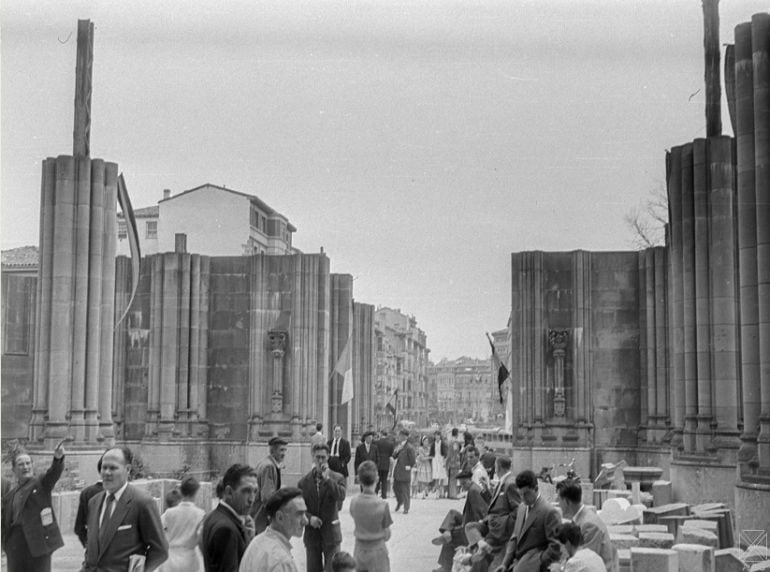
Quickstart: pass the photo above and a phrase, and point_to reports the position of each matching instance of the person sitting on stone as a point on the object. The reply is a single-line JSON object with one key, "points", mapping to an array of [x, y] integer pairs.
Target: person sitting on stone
{"points": [[579, 558], [594, 532], [453, 526]]}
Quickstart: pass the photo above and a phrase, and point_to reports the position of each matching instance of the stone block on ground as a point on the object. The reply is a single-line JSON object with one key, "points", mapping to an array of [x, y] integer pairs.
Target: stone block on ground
{"points": [[624, 541], [695, 558], [622, 529], [624, 560], [654, 560], [636, 489], [706, 507], [729, 560], [650, 528], [672, 522], [694, 535], [656, 540], [756, 554], [662, 493], [760, 566], [671, 509], [710, 525]]}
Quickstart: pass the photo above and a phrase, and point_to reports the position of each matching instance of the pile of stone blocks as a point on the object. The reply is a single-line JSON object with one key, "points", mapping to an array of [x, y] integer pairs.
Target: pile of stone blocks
{"points": [[621, 511]]}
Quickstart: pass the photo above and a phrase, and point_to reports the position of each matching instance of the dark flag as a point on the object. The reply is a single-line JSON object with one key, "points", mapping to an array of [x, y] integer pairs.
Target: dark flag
{"points": [[499, 367]]}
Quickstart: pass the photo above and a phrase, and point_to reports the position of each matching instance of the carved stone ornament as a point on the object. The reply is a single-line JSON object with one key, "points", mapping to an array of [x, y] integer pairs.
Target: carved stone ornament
{"points": [[559, 402], [277, 341], [558, 339]]}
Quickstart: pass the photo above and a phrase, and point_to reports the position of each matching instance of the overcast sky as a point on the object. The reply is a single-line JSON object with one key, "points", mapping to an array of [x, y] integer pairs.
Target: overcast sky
{"points": [[420, 143]]}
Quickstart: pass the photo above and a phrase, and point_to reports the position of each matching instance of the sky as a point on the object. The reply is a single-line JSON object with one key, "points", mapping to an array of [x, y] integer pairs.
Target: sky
{"points": [[419, 143]]}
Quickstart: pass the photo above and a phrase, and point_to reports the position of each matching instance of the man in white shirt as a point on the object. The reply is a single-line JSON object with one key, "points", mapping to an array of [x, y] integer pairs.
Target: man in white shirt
{"points": [[580, 558], [270, 551]]}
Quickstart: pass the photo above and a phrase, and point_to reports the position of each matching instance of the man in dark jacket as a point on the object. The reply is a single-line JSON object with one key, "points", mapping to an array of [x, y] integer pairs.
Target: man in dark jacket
{"points": [[323, 491], [366, 451], [402, 471], [339, 452], [223, 537], [29, 530], [81, 520], [385, 446]]}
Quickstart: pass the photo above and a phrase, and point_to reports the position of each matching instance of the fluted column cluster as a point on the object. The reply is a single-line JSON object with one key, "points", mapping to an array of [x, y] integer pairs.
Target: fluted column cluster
{"points": [[752, 134], [178, 345], [75, 294], [653, 342], [703, 290], [364, 366]]}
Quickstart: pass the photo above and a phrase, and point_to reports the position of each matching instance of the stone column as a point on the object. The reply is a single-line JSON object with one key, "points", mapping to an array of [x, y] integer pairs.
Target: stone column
{"points": [[702, 293], [676, 292], [760, 42], [558, 340], [518, 383], [538, 335], [154, 374], [650, 330], [581, 268], [688, 300], [747, 239], [277, 341], [661, 341], [723, 271]]}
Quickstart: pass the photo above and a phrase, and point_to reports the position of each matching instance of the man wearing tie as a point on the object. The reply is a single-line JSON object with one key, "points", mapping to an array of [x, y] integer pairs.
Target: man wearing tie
{"points": [[124, 526], [339, 453], [366, 451], [533, 545]]}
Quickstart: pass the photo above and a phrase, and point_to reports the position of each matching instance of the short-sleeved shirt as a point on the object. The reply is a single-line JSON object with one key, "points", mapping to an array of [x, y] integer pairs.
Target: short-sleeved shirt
{"points": [[371, 515]]}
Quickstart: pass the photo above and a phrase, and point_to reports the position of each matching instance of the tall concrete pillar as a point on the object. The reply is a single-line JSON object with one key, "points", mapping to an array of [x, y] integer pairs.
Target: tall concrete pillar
{"points": [[661, 338], [676, 292], [581, 268], [747, 239], [154, 374], [723, 278], [760, 42], [688, 299], [702, 292], [650, 344]]}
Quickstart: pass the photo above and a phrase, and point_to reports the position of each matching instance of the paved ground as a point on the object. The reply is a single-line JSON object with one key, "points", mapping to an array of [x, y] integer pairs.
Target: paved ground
{"points": [[409, 546]]}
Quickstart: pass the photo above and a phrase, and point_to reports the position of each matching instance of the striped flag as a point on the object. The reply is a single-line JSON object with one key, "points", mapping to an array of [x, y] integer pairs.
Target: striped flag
{"points": [[344, 367], [499, 367]]}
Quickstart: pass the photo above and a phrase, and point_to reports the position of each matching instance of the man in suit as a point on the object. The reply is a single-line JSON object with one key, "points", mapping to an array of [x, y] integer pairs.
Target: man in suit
{"points": [[339, 452], [268, 472], [366, 451], [30, 533], [402, 471], [497, 527], [385, 446], [123, 522], [81, 520], [533, 545], [223, 535], [453, 527], [323, 490], [594, 533]]}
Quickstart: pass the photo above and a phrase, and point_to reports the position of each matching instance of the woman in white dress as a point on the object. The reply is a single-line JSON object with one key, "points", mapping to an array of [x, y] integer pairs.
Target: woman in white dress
{"points": [[438, 453], [182, 524]]}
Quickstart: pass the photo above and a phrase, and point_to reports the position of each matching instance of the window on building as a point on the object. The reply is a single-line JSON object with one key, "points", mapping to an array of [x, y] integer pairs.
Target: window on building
{"points": [[152, 229], [18, 310], [122, 231]]}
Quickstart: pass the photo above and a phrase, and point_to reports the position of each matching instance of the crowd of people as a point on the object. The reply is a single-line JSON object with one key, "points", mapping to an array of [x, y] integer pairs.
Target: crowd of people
{"points": [[504, 525]]}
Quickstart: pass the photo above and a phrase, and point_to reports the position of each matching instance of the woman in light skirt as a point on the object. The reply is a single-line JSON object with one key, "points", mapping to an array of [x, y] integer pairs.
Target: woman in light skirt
{"points": [[438, 453]]}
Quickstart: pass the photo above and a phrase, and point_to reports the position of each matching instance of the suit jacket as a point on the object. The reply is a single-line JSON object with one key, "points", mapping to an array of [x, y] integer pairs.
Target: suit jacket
{"points": [[534, 543], [501, 515], [339, 464], [361, 455], [81, 520], [384, 453], [223, 540], [323, 503], [475, 507], [37, 519], [404, 458], [269, 481], [596, 537], [133, 528]]}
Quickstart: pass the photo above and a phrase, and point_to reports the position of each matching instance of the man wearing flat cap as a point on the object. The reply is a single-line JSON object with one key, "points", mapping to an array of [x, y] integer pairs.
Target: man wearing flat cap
{"points": [[366, 451], [268, 479], [452, 529], [270, 551]]}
